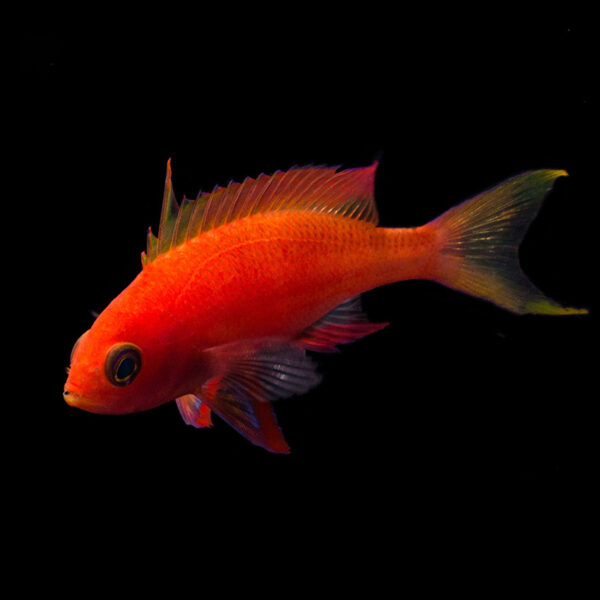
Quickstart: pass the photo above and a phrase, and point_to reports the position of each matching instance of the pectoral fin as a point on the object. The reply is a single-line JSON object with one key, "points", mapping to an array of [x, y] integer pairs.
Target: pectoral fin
{"points": [[253, 375]]}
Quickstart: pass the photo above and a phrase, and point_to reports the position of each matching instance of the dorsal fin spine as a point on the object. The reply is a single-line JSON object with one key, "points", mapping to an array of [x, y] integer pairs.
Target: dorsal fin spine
{"points": [[310, 185], [307, 186], [183, 221], [272, 186], [316, 200], [208, 212], [283, 188], [233, 205], [152, 245], [196, 217], [264, 181], [220, 207], [169, 213], [346, 193], [246, 203]]}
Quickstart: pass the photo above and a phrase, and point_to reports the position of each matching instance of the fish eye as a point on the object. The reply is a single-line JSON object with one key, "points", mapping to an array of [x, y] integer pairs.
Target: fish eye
{"points": [[123, 363]]}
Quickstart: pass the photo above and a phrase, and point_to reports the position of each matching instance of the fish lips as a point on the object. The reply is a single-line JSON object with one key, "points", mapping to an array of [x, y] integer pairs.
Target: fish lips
{"points": [[79, 401]]}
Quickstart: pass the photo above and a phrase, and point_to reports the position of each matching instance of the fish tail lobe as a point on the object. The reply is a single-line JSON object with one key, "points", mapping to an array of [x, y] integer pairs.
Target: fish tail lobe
{"points": [[478, 243]]}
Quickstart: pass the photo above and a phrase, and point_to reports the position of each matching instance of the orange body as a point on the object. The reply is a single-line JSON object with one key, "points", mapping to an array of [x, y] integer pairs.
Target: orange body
{"points": [[268, 275], [273, 275]]}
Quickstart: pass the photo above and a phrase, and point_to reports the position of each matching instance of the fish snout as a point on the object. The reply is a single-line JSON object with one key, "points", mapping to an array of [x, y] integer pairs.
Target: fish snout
{"points": [[70, 398], [78, 401]]}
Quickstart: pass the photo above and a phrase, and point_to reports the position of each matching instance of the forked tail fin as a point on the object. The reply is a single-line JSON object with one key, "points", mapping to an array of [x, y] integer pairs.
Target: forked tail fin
{"points": [[479, 241]]}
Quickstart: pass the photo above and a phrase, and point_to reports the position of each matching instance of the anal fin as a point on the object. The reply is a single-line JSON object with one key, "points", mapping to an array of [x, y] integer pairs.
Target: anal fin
{"points": [[344, 324]]}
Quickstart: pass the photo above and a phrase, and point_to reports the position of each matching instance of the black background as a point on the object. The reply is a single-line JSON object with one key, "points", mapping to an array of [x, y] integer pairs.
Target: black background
{"points": [[457, 414]]}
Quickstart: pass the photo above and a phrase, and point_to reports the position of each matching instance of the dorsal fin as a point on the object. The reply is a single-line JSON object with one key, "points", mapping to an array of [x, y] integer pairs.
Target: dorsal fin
{"points": [[347, 193]]}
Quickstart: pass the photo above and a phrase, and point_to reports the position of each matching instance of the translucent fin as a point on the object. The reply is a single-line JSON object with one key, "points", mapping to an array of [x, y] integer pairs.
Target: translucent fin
{"points": [[194, 411], [169, 213], [182, 223], [479, 241], [345, 323], [253, 419], [347, 193], [196, 217], [254, 375], [266, 370]]}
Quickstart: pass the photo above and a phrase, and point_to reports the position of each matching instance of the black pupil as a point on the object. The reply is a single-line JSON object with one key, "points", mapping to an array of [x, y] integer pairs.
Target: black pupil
{"points": [[126, 368]]}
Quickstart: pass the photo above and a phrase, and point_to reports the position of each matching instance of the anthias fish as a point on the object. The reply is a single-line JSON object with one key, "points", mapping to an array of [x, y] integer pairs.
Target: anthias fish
{"points": [[241, 282]]}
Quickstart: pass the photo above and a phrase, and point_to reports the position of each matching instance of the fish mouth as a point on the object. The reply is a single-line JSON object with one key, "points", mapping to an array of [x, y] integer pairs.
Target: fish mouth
{"points": [[79, 401]]}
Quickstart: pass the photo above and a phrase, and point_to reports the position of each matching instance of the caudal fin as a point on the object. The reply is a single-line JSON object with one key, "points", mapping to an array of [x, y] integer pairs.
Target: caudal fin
{"points": [[479, 241]]}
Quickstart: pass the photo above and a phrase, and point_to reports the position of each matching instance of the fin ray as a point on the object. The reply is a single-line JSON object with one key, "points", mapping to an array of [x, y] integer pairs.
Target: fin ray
{"points": [[194, 411], [347, 193], [344, 324], [169, 213], [479, 241], [253, 375]]}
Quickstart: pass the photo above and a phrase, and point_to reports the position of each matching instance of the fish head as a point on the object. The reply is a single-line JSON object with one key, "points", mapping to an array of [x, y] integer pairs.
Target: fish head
{"points": [[124, 369]]}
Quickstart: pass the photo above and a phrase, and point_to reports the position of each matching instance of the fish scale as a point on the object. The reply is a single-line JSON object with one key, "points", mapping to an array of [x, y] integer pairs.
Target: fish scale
{"points": [[286, 269]]}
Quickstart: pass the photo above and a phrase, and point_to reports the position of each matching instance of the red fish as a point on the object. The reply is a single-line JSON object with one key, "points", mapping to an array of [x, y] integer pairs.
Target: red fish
{"points": [[241, 282]]}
